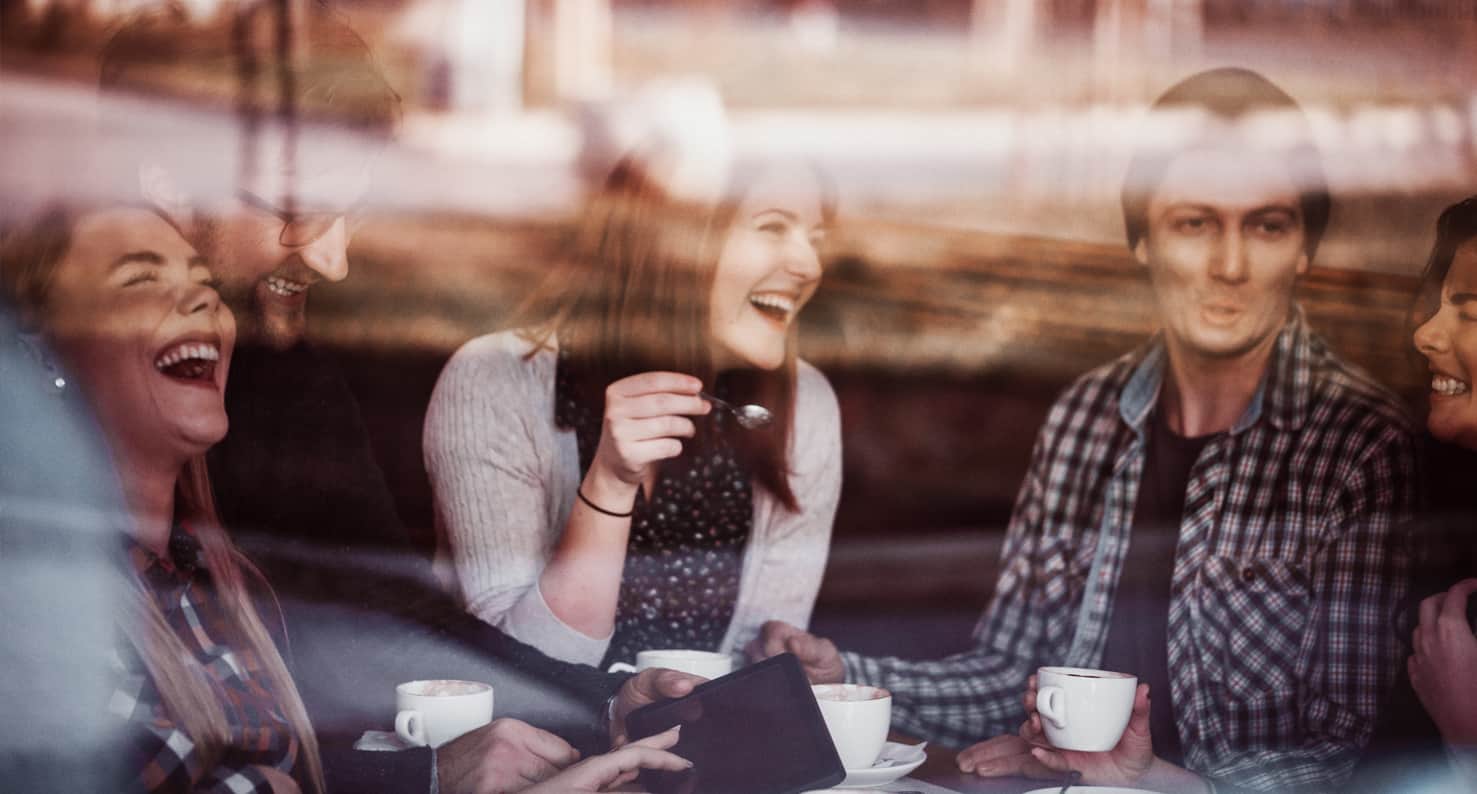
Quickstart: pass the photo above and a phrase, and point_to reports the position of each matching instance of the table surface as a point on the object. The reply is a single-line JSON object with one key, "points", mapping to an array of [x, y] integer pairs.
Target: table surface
{"points": [[940, 770]]}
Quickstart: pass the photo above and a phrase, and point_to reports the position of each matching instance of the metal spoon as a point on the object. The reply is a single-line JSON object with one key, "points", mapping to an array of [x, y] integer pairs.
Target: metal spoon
{"points": [[749, 417], [1073, 776]]}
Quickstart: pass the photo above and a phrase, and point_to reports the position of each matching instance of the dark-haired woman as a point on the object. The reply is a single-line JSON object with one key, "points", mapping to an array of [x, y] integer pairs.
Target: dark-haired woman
{"points": [[596, 504], [1443, 665]]}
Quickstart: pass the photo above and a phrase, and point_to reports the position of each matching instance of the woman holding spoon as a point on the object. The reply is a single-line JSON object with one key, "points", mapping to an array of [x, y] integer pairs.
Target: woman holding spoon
{"points": [[643, 463]]}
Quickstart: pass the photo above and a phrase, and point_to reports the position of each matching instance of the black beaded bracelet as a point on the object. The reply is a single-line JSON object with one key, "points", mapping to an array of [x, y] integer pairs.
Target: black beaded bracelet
{"points": [[599, 509]]}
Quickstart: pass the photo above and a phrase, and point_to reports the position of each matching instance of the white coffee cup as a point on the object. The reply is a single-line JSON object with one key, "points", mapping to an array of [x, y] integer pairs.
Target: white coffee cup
{"points": [[858, 718], [1084, 709], [432, 713], [703, 663]]}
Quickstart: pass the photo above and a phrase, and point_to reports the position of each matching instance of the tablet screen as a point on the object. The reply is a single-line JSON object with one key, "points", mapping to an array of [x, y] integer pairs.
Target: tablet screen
{"points": [[756, 731]]}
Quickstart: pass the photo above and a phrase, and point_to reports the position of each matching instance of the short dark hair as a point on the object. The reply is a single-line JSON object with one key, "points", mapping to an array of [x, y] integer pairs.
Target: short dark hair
{"points": [[1230, 94]]}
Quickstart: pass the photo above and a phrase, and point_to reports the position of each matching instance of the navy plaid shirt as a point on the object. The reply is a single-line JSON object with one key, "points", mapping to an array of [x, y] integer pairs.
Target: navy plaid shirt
{"points": [[1290, 564]]}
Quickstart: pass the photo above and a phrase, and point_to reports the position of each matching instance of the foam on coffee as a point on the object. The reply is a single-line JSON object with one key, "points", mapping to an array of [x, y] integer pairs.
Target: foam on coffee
{"points": [[1084, 672], [444, 688]]}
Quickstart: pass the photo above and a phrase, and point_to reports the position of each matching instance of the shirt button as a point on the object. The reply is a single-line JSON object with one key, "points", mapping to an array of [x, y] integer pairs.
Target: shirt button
{"points": [[1247, 574]]}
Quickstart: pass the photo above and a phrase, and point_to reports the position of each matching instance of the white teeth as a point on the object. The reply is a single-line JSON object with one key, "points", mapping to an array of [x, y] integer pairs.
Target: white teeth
{"points": [[778, 302], [185, 351], [284, 287], [1447, 386]]}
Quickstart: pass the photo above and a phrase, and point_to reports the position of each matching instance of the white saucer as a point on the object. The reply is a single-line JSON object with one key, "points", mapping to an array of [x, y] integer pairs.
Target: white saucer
{"points": [[1091, 790], [882, 775]]}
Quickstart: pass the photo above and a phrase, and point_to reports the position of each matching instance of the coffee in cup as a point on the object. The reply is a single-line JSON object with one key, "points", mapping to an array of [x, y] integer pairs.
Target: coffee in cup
{"points": [[432, 713], [701, 663], [1084, 709], [858, 718]]}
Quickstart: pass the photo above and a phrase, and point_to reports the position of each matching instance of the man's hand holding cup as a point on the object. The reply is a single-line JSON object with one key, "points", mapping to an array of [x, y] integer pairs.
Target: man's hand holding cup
{"points": [[1089, 721], [1093, 722], [817, 655]]}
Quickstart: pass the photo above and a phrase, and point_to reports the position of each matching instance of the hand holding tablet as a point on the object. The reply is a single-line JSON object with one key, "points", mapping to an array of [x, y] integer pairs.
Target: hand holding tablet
{"points": [[755, 731]]}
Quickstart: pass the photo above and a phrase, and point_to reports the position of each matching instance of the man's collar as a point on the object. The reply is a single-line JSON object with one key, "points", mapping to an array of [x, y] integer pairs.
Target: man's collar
{"points": [[1283, 394]]}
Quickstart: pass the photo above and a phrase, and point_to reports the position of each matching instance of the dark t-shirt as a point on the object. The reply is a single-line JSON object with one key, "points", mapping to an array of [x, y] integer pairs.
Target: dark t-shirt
{"points": [[300, 491], [1138, 634]]}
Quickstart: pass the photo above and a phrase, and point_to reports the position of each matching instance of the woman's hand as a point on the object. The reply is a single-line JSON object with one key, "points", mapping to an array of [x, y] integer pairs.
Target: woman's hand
{"points": [[646, 418], [617, 767], [1444, 664]]}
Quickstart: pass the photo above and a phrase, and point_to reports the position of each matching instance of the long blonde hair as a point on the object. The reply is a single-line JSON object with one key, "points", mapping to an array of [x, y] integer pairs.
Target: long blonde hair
{"points": [[28, 257]]}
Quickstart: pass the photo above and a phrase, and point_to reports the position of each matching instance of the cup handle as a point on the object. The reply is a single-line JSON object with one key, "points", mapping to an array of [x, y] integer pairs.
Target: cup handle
{"points": [[1051, 703], [621, 667], [411, 726]]}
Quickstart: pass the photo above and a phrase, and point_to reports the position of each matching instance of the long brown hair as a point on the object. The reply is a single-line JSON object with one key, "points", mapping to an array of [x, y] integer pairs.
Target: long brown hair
{"points": [[632, 297], [29, 256]]}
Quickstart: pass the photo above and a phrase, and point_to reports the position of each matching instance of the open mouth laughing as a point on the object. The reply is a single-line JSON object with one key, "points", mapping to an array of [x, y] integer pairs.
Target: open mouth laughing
{"points": [[779, 307], [1447, 386], [190, 360], [286, 288]]}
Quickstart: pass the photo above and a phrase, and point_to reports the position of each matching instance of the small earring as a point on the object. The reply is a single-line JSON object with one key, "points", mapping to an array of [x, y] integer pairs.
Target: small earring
{"points": [[31, 343]]}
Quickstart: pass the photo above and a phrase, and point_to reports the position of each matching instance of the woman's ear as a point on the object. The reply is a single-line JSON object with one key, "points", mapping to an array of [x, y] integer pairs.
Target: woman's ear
{"points": [[1141, 251]]}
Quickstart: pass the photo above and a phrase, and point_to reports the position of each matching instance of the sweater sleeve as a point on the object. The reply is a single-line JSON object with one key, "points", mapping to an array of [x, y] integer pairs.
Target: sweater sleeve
{"points": [[491, 452], [787, 557]]}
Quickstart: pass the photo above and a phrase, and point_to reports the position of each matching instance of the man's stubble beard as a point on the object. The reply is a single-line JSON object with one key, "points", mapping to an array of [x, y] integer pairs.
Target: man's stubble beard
{"points": [[240, 297]]}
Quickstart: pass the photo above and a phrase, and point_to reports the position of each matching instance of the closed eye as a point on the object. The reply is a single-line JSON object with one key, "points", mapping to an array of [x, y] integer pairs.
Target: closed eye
{"points": [[141, 277]]}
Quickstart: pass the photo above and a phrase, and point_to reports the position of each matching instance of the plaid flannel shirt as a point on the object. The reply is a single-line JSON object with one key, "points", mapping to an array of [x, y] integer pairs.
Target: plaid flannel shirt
{"points": [[165, 757], [1289, 566]]}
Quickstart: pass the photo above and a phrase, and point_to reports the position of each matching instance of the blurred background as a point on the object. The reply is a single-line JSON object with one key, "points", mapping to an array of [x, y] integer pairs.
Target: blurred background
{"points": [[978, 147]]}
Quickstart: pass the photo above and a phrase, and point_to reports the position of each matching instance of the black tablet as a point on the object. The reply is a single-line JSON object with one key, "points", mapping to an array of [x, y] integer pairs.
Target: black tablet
{"points": [[755, 731]]}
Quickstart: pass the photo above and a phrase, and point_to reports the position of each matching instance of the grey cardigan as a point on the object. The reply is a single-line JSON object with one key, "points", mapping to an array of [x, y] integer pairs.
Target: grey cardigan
{"points": [[505, 476]]}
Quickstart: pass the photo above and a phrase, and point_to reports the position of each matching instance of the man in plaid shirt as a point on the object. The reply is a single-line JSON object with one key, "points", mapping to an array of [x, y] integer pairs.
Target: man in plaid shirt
{"points": [[1282, 475]]}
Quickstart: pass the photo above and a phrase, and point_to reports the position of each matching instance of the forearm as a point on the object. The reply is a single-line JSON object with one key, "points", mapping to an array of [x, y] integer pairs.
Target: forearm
{"points": [[582, 579], [955, 701]]}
